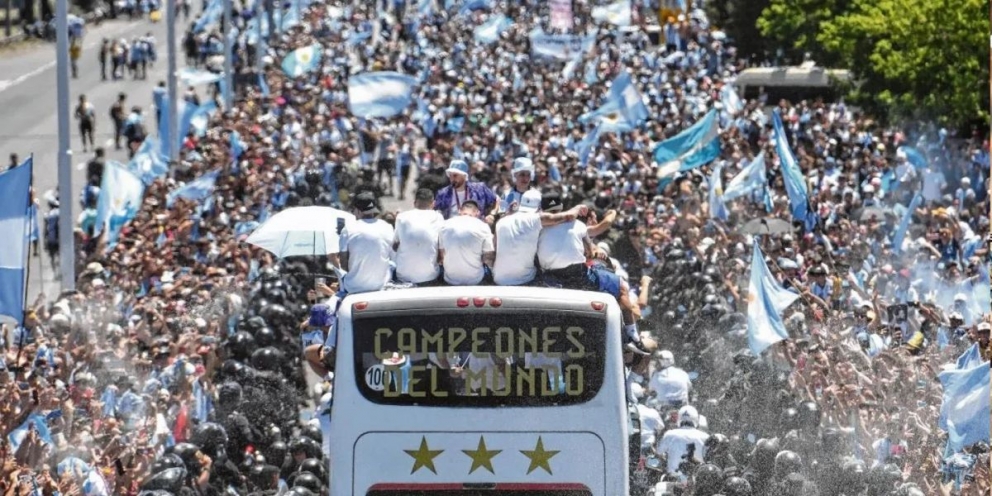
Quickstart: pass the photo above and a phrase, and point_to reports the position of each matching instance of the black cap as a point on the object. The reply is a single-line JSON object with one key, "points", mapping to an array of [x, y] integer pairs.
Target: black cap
{"points": [[551, 202], [365, 203]]}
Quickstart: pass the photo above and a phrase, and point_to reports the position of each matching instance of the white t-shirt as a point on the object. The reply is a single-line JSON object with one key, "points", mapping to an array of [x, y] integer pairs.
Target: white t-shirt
{"points": [[369, 243], [671, 385], [651, 425], [464, 239], [561, 246], [417, 233], [674, 444], [934, 183], [516, 247]]}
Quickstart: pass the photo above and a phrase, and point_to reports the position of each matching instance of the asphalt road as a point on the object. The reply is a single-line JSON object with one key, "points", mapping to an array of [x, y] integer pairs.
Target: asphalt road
{"points": [[28, 100]]}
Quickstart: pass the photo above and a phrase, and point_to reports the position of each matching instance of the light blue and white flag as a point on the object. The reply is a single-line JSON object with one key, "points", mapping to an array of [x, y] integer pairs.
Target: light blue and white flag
{"points": [[196, 190], [186, 111], [489, 31], [618, 13], [469, 6], [795, 184], [380, 94], [623, 109], [16, 437], [717, 209], [73, 465], [900, 235], [914, 157], [731, 100], [560, 46], [197, 77], [766, 300], [15, 185], [302, 60], [203, 404], [148, 163], [692, 148], [201, 117], [210, 16], [263, 85], [964, 413], [425, 7], [750, 179], [237, 145], [591, 75], [970, 358], [585, 147], [121, 193]]}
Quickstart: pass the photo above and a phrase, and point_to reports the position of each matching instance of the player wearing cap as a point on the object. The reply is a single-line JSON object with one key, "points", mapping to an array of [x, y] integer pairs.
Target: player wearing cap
{"points": [[466, 247], [366, 248], [683, 444], [517, 238], [416, 241], [449, 199], [523, 176], [669, 383]]}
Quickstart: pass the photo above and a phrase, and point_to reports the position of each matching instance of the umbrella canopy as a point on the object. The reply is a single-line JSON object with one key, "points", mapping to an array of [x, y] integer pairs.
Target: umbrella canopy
{"points": [[766, 226], [301, 231]]}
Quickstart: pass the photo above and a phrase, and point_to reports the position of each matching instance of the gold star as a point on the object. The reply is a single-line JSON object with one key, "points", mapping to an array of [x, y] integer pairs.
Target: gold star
{"points": [[539, 457], [482, 457], [423, 457]]}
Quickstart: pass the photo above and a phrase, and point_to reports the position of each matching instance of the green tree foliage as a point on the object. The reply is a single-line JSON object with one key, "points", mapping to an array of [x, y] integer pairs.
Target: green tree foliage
{"points": [[794, 26], [739, 19], [917, 59]]}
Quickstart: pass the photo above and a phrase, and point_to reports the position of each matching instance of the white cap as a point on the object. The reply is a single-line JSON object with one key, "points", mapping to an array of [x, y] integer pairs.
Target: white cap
{"points": [[530, 202], [667, 358], [960, 297], [522, 164], [689, 414]]}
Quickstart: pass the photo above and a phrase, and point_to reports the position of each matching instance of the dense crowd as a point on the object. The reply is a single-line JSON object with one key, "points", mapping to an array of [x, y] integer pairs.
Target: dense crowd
{"points": [[140, 378]]}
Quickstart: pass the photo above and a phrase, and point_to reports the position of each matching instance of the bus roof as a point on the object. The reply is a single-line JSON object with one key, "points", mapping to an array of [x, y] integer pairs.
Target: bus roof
{"points": [[449, 296], [814, 77]]}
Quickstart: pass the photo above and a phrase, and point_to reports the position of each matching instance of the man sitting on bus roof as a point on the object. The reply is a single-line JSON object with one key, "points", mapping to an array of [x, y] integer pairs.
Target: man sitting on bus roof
{"points": [[563, 251], [416, 241], [366, 248], [517, 235], [466, 247]]}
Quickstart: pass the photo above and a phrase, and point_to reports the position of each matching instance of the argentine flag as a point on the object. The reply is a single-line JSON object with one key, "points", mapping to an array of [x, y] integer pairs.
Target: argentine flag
{"points": [[121, 193], [15, 185], [623, 110], [964, 413], [618, 13], [302, 60], [489, 31], [380, 94], [766, 300], [148, 163], [197, 77], [750, 179], [795, 184], [694, 147]]}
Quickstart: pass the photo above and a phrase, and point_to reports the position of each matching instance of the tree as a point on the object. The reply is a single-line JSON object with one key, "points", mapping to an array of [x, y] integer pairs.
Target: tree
{"points": [[739, 20], [915, 59], [793, 26]]}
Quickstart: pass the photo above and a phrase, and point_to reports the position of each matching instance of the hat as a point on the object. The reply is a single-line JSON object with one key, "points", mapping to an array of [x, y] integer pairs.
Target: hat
{"points": [[458, 167], [551, 202], [605, 247], [667, 358], [320, 316], [522, 164], [960, 297], [93, 268], [365, 203], [817, 270], [706, 243], [530, 202], [98, 283], [787, 264], [984, 327], [957, 316]]}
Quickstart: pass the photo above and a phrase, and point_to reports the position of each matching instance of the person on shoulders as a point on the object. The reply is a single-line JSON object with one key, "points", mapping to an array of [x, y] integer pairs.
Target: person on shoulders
{"points": [[466, 247], [366, 248], [416, 241], [523, 176], [449, 199], [517, 237]]}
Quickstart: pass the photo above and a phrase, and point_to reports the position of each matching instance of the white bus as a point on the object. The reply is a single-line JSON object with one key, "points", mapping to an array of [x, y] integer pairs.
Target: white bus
{"points": [[496, 391]]}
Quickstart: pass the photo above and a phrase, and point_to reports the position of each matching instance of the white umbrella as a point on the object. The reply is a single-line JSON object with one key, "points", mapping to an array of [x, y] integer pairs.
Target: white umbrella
{"points": [[301, 231]]}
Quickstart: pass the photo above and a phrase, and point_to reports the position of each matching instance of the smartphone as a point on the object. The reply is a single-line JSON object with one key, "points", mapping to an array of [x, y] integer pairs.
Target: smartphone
{"points": [[208, 340], [23, 386]]}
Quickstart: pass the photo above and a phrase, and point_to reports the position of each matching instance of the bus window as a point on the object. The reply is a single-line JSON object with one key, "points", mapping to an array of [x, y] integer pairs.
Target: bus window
{"points": [[480, 359]]}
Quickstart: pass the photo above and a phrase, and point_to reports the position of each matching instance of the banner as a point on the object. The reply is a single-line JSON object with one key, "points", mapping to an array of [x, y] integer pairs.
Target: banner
{"points": [[561, 46], [561, 14]]}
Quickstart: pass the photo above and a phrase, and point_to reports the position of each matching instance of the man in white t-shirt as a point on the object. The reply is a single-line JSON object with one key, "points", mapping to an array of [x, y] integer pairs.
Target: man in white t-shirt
{"points": [[517, 237], [934, 184], [669, 383], [685, 442], [416, 240], [466, 247], [366, 248]]}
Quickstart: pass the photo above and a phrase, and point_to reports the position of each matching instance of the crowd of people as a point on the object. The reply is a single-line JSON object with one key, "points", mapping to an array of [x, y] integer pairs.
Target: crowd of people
{"points": [[140, 380]]}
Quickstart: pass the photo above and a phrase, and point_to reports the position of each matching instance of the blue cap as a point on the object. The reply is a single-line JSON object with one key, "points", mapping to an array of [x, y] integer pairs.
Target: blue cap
{"points": [[458, 166], [320, 315]]}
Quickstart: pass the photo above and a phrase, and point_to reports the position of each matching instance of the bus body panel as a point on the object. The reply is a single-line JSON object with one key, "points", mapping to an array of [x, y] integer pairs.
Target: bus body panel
{"points": [[590, 436]]}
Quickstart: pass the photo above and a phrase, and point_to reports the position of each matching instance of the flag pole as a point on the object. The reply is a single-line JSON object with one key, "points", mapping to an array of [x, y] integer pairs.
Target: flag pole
{"points": [[27, 240]]}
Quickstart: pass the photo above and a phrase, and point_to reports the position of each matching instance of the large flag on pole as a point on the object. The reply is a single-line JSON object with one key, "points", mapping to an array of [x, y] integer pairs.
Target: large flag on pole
{"points": [[965, 411], [380, 94], [766, 300], [748, 180], [623, 109], [121, 193], [302, 60], [694, 147], [15, 186], [795, 184]]}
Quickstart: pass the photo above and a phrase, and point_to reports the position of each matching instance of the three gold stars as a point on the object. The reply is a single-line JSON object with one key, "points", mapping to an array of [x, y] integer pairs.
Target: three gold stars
{"points": [[423, 457], [481, 457], [539, 457]]}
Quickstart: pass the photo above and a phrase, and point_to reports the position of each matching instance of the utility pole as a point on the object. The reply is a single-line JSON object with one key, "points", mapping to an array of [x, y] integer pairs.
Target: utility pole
{"points": [[170, 22], [67, 245], [228, 57], [260, 43]]}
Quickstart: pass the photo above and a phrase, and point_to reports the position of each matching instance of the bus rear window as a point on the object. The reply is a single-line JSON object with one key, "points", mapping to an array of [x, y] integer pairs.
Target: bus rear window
{"points": [[480, 358]]}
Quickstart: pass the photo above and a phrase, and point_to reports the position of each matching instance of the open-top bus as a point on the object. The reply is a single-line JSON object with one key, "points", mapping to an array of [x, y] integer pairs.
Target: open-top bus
{"points": [[458, 391]]}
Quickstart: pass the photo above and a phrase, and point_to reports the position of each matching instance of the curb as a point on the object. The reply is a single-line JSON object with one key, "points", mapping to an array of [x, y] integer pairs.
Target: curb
{"points": [[17, 38]]}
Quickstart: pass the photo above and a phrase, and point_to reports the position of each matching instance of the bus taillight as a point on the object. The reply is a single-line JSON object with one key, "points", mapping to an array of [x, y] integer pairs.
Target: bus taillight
{"points": [[598, 306], [462, 302], [361, 305], [479, 301], [495, 302]]}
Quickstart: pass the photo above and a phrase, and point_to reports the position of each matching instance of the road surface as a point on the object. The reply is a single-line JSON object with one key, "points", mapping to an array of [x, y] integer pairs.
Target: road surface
{"points": [[28, 97]]}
